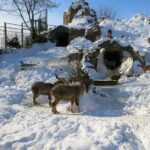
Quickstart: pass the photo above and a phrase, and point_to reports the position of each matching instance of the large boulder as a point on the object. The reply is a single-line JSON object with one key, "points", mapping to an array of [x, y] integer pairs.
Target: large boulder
{"points": [[93, 32], [109, 58]]}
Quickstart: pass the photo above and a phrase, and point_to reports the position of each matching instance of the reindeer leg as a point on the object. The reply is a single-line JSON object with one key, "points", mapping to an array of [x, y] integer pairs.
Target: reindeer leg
{"points": [[54, 103], [34, 100], [77, 103], [72, 102], [49, 97]]}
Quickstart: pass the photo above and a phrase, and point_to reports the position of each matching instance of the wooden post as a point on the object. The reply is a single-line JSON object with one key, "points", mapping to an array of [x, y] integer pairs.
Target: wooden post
{"points": [[46, 19], [22, 35], [5, 34], [105, 82]]}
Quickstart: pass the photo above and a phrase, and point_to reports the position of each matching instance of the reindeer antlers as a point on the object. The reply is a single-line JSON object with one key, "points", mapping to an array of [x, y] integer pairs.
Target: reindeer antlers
{"points": [[60, 79]]}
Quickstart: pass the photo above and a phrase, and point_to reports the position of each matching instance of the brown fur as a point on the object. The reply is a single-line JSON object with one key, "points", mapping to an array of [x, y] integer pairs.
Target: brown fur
{"points": [[68, 93], [41, 88]]}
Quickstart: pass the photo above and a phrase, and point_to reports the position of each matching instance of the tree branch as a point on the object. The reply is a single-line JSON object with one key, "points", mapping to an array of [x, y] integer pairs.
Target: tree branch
{"points": [[27, 9], [21, 15]]}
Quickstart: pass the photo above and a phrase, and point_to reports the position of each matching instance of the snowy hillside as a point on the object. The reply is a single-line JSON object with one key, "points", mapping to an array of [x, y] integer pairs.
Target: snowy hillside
{"points": [[115, 117], [134, 31]]}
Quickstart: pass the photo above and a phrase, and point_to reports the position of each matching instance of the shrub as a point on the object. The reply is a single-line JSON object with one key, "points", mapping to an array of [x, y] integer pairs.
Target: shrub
{"points": [[106, 12], [14, 42], [80, 75]]}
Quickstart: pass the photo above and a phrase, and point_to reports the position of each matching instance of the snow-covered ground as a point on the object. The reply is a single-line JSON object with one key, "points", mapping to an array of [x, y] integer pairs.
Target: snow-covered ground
{"points": [[115, 117]]}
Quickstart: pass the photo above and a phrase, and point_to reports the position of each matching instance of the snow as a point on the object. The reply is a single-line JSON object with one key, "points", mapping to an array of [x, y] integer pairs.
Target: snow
{"points": [[79, 3], [79, 43], [82, 21], [79, 19], [135, 31], [115, 117]]}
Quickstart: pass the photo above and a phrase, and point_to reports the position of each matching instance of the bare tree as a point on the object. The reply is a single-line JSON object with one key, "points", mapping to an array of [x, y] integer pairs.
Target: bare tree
{"points": [[106, 12], [27, 9]]}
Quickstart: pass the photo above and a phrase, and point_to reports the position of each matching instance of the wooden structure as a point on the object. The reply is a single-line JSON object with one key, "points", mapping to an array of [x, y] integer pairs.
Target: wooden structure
{"points": [[12, 31], [105, 82]]}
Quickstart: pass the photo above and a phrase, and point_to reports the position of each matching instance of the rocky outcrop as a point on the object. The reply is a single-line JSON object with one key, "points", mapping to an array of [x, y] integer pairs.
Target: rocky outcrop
{"points": [[62, 35], [109, 59], [79, 9], [113, 54], [115, 46], [79, 20], [93, 32]]}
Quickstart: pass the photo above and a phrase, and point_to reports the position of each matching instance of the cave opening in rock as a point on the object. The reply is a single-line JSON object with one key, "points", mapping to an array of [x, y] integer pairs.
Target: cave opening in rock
{"points": [[62, 39], [113, 59]]}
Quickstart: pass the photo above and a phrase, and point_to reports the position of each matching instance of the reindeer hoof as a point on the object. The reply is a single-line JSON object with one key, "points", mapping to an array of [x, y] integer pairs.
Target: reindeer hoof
{"points": [[35, 104], [56, 112]]}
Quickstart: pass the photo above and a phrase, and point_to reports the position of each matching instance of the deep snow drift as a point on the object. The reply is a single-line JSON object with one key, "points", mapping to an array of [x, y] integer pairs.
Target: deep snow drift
{"points": [[116, 117]]}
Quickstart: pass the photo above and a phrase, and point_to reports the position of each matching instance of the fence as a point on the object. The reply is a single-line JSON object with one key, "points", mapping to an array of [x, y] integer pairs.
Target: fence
{"points": [[2, 43], [10, 31], [40, 22]]}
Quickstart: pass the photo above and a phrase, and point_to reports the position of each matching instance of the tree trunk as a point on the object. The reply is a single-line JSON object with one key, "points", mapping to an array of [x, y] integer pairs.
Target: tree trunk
{"points": [[33, 32]]}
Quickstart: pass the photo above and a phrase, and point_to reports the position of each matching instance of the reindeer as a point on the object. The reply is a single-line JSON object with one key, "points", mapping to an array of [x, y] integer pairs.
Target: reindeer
{"points": [[70, 92], [75, 56], [41, 88]]}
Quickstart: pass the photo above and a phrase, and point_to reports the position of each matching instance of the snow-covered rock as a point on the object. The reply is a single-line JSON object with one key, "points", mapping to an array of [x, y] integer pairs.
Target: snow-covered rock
{"points": [[79, 13], [79, 43]]}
